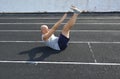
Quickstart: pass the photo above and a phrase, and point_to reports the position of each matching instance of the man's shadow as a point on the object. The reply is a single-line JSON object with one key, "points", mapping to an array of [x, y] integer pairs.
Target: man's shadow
{"points": [[46, 52]]}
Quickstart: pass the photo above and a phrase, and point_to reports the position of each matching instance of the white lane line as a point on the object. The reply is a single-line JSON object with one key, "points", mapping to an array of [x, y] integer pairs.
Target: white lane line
{"points": [[94, 42], [61, 23], [80, 18], [21, 41], [60, 63], [20, 30], [91, 50], [61, 30]]}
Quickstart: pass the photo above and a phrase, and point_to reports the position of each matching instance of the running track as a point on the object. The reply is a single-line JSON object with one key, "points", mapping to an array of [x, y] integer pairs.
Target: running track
{"points": [[93, 52]]}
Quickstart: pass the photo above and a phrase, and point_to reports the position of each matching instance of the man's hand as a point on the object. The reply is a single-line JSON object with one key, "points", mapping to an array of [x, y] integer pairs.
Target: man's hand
{"points": [[64, 16], [57, 24]]}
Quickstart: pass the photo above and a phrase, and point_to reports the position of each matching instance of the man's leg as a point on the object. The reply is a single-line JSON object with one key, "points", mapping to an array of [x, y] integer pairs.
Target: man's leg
{"points": [[64, 37], [69, 25], [71, 22]]}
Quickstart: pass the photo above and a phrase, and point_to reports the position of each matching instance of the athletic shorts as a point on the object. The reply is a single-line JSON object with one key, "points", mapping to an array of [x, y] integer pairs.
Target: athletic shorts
{"points": [[63, 41]]}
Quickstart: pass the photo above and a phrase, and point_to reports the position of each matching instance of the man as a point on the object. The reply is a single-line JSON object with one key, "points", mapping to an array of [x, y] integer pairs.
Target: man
{"points": [[61, 42]]}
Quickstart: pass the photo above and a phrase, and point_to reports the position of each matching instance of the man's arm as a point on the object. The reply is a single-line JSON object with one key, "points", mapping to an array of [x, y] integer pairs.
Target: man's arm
{"points": [[54, 28]]}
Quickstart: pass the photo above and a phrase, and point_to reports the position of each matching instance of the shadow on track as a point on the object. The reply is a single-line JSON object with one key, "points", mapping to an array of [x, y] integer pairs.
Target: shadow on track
{"points": [[46, 52]]}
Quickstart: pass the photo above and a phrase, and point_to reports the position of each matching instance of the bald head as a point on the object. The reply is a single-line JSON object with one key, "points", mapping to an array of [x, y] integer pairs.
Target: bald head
{"points": [[44, 29], [44, 26]]}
